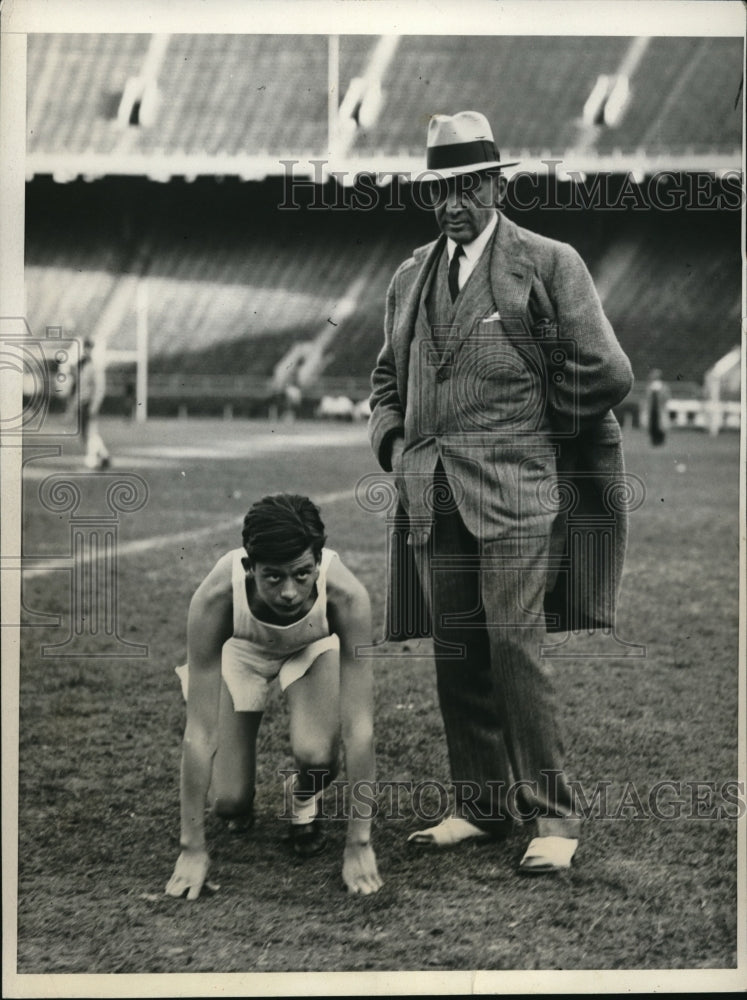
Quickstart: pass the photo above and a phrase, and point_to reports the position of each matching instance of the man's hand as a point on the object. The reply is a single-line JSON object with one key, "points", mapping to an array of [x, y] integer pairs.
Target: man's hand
{"points": [[398, 446], [189, 874], [359, 871]]}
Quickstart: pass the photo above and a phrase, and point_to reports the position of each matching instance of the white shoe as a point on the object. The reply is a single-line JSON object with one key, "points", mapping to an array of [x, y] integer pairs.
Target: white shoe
{"points": [[450, 831], [548, 854]]}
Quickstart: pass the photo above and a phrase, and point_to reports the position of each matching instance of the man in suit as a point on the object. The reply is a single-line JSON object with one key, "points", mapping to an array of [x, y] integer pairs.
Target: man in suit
{"points": [[499, 369]]}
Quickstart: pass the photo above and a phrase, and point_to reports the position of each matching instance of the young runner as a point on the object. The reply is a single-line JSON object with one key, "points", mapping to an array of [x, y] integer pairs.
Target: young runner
{"points": [[282, 606]]}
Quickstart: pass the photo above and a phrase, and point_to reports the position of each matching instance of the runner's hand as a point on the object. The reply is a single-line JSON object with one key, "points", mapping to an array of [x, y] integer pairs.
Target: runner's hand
{"points": [[189, 875], [359, 871]]}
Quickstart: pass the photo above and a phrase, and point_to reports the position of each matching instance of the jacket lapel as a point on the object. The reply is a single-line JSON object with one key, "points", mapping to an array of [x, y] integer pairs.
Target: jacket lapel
{"points": [[510, 282], [510, 271], [405, 327]]}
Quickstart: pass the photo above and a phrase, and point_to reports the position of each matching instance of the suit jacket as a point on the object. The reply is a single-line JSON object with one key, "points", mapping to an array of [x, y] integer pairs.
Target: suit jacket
{"points": [[539, 286]]}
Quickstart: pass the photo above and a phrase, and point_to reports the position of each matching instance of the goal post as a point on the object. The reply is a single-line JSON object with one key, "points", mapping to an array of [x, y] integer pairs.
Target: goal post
{"points": [[140, 353]]}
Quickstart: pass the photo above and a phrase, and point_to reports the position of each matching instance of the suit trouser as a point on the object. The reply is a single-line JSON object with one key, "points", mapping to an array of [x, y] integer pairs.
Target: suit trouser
{"points": [[496, 697]]}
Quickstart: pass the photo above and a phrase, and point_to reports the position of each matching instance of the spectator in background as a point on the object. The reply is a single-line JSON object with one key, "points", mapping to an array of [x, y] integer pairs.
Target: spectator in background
{"points": [[89, 392], [293, 399], [130, 399], [657, 416]]}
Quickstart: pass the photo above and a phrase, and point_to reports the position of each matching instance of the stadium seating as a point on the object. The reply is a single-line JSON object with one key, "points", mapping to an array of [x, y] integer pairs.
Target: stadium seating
{"points": [[242, 93], [267, 94], [684, 97], [75, 83], [224, 273], [217, 94], [675, 311], [678, 312], [531, 89], [233, 283], [224, 292]]}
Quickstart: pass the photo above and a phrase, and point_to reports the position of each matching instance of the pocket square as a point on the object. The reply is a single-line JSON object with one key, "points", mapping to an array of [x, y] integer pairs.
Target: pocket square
{"points": [[492, 316]]}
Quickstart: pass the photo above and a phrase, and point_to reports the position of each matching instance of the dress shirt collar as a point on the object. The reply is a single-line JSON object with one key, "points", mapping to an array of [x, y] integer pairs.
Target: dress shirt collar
{"points": [[473, 250]]}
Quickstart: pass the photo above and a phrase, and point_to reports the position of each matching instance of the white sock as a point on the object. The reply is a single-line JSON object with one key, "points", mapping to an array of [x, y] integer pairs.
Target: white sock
{"points": [[303, 810]]}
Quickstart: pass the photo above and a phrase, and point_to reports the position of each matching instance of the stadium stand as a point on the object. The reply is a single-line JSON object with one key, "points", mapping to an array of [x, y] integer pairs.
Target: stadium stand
{"points": [[264, 94], [548, 77], [234, 284], [676, 311], [217, 94], [75, 84], [683, 98], [234, 93], [214, 279], [225, 293]]}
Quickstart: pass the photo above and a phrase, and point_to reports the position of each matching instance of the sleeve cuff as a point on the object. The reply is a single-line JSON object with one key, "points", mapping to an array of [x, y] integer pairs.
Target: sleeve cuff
{"points": [[385, 453]]}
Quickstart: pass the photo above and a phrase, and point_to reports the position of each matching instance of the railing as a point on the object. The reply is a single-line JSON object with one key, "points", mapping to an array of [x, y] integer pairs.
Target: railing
{"points": [[223, 387]]}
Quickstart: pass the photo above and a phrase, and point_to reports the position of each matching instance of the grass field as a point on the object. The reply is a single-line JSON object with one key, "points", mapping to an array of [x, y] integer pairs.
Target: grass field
{"points": [[100, 743]]}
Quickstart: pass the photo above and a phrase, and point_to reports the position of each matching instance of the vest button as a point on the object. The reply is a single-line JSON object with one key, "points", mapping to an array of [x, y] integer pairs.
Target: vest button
{"points": [[442, 374]]}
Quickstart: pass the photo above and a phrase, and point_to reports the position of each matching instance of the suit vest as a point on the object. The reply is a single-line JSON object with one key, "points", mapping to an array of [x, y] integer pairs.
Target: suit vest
{"points": [[476, 401]]}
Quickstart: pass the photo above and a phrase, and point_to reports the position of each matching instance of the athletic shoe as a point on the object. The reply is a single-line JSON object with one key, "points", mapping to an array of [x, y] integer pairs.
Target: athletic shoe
{"points": [[308, 839]]}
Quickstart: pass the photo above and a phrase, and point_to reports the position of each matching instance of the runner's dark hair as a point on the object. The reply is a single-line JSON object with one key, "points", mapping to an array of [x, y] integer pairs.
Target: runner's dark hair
{"points": [[281, 527]]}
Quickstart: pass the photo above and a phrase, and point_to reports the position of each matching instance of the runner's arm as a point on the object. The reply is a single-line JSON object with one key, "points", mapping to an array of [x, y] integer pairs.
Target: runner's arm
{"points": [[209, 624], [349, 612]]}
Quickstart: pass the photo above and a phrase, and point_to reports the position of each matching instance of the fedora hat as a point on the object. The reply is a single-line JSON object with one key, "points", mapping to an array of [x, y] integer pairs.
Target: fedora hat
{"points": [[461, 144]]}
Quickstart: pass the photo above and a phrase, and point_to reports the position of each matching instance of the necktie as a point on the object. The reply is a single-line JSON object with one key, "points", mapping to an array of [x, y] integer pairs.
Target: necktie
{"points": [[454, 271]]}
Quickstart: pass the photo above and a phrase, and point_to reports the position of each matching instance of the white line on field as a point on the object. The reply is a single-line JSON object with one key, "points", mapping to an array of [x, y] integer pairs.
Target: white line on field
{"points": [[163, 541], [161, 456]]}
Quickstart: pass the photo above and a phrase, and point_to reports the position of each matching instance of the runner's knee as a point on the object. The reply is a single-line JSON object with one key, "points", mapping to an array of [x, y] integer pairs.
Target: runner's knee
{"points": [[317, 758], [230, 806]]}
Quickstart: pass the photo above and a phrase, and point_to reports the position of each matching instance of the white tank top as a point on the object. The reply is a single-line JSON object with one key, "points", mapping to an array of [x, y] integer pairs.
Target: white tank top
{"points": [[279, 640]]}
